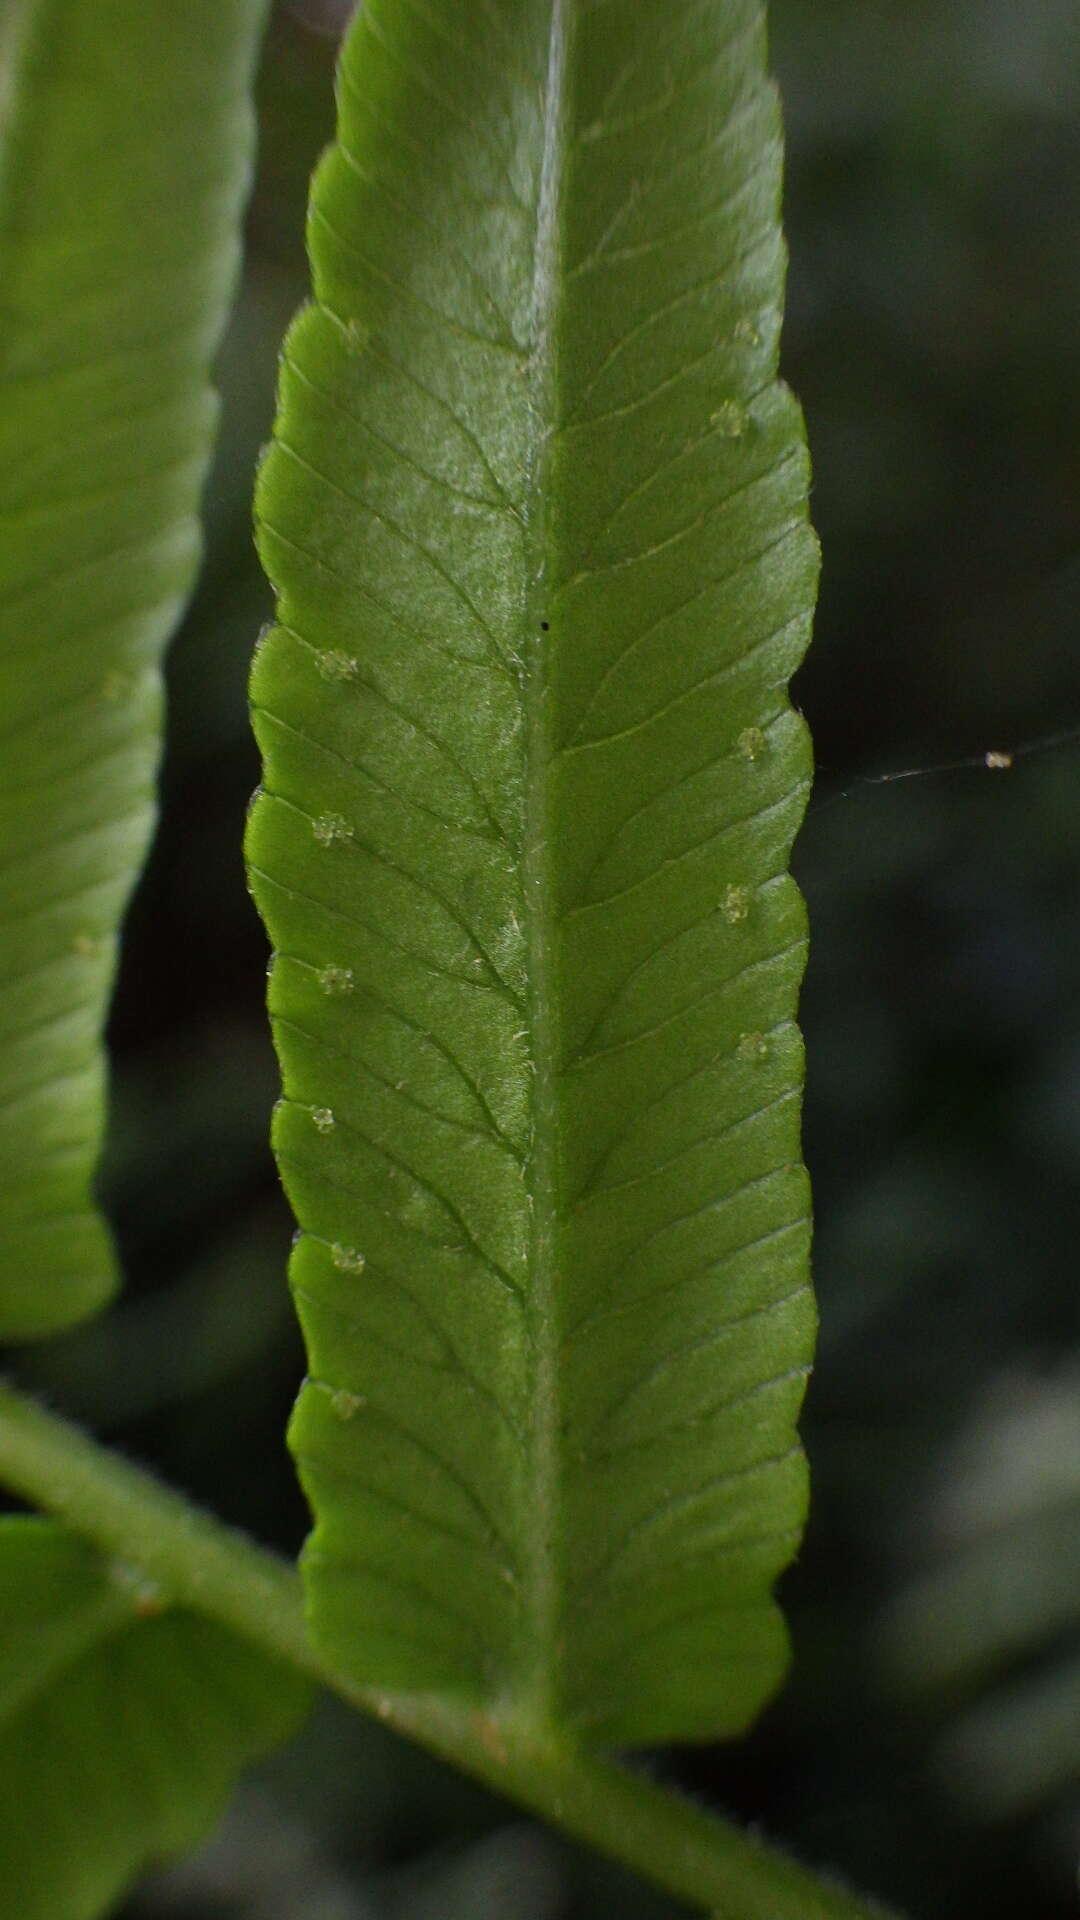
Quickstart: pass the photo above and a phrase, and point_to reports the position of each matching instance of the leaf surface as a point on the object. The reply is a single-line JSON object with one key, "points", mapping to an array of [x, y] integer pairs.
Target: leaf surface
{"points": [[122, 1728], [125, 151], [536, 516]]}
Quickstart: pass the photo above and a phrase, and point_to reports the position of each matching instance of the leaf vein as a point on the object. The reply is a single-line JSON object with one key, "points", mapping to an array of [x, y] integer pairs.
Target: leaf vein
{"points": [[745, 564], [397, 1087], [673, 860], [503, 504], [400, 1166], [666, 1362], [455, 1367], [491, 1546], [643, 1301], [404, 534], [426, 733], [493, 660], [592, 1192]]}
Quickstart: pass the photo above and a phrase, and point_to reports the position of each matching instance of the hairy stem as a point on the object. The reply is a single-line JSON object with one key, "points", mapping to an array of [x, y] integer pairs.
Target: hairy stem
{"points": [[199, 1563]]}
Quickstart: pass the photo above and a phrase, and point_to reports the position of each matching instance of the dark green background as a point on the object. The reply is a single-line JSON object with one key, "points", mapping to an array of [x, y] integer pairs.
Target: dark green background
{"points": [[933, 215]]}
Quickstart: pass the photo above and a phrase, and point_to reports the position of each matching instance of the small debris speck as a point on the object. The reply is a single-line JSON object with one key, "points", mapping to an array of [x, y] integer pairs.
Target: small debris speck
{"points": [[147, 1597]]}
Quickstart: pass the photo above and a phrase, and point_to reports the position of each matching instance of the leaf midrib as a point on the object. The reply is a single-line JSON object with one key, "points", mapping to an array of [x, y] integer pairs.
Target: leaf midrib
{"points": [[18, 24], [544, 1529]]}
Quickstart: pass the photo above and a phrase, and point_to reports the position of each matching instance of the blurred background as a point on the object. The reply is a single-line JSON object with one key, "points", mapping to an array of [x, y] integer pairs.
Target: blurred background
{"points": [[928, 1745]]}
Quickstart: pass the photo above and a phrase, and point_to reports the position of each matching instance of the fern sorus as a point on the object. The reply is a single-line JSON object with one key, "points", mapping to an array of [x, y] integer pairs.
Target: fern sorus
{"points": [[535, 513]]}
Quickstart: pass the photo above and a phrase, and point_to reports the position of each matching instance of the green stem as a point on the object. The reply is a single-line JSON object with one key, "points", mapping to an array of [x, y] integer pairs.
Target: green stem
{"points": [[199, 1563]]}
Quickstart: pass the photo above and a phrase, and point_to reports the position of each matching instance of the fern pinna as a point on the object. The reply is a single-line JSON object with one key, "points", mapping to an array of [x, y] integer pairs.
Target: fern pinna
{"points": [[536, 516]]}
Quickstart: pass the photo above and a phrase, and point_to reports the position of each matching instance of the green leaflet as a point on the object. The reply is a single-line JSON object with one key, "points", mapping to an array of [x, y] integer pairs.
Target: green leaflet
{"points": [[536, 517], [126, 141], [121, 1728]]}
